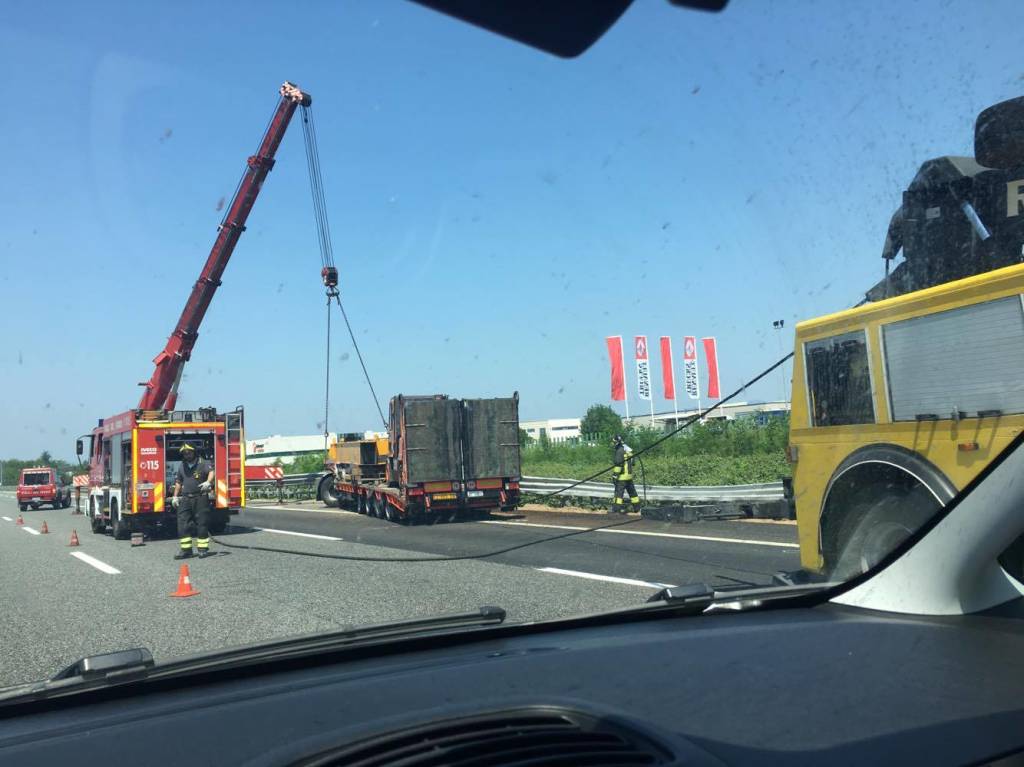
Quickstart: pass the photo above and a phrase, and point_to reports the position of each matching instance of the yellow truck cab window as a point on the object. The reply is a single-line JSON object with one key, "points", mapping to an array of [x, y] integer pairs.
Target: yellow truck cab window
{"points": [[839, 381]]}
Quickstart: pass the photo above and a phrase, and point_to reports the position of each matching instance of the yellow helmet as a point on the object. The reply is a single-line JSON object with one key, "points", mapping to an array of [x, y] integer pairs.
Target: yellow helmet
{"points": [[185, 447]]}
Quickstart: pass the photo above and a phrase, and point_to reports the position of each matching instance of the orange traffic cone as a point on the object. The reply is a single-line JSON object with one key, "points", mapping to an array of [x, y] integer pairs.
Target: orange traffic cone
{"points": [[74, 538], [44, 528], [184, 584], [20, 520]]}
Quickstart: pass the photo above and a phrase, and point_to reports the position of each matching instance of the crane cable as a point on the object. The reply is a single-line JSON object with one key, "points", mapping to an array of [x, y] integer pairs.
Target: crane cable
{"points": [[329, 272], [487, 554]]}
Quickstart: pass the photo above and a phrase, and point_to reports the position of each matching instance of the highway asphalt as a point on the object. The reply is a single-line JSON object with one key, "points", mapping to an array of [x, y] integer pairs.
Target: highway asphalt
{"points": [[62, 602]]}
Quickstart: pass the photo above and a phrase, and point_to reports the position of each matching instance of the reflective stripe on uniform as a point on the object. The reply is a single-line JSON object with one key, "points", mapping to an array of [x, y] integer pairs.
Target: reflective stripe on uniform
{"points": [[635, 499], [186, 543], [203, 543], [618, 501]]}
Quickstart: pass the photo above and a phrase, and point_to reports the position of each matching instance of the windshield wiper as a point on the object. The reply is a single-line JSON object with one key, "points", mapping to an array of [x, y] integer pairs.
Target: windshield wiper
{"points": [[96, 671], [695, 598]]}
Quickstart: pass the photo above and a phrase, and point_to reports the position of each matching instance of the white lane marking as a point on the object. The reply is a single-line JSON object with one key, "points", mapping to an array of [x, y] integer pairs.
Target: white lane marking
{"points": [[608, 578], [103, 567], [298, 508], [714, 539], [8, 519], [31, 530], [748, 541], [301, 535]]}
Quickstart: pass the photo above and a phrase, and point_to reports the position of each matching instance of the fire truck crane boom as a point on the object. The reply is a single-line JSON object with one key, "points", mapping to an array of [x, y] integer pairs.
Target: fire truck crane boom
{"points": [[161, 390]]}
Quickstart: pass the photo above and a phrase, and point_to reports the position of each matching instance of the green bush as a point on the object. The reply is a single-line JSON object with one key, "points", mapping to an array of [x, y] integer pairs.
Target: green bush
{"points": [[714, 453]]}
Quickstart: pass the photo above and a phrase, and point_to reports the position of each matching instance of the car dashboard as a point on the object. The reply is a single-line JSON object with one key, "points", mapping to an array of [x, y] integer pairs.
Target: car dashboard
{"points": [[809, 685]]}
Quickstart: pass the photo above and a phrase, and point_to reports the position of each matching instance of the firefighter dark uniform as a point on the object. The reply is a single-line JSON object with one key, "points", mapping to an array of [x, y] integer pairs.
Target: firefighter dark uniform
{"points": [[193, 505], [622, 472]]}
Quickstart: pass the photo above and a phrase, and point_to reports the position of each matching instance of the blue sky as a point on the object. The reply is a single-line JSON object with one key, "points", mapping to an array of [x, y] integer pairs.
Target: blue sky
{"points": [[496, 211]]}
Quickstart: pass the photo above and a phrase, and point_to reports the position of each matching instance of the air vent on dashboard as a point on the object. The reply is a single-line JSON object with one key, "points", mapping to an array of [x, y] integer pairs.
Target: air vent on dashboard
{"points": [[539, 737]]}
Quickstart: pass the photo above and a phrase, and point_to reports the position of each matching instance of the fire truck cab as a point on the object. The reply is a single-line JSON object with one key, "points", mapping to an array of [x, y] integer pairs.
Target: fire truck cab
{"points": [[134, 457]]}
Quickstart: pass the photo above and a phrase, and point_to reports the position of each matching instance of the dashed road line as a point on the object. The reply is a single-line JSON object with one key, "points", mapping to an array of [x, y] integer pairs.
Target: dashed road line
{"points": [[30, 530], [272, 507], [103, 567], [606, 578], [7, 519]]}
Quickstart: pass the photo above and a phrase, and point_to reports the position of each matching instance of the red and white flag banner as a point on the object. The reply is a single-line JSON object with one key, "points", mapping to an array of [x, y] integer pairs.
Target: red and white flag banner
{"points": [[618, 374], [691, 382], [668, 376], [711, 355], [643, 368]]}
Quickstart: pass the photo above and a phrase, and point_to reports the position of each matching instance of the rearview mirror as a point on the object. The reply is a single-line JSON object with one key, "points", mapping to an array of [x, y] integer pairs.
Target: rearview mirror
{"points": [[78, 447]]}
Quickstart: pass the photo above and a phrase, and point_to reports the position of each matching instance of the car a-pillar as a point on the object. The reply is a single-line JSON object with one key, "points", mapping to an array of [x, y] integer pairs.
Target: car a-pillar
{"points": [[877, 497]]}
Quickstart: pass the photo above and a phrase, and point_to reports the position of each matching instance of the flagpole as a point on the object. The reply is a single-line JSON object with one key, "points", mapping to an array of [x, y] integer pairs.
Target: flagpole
{"points": [[625, 385], [652, 410]]}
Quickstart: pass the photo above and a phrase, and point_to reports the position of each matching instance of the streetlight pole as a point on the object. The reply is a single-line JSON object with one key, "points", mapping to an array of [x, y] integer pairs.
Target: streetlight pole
{"points": [[778, 325]]}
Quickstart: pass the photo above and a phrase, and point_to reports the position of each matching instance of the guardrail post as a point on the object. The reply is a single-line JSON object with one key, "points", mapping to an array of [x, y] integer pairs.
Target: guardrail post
{"points": [[280, 491]]}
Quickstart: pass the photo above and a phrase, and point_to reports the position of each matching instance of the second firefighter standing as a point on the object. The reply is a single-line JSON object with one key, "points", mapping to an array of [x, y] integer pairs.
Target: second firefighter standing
{"points": [[622, 473]]}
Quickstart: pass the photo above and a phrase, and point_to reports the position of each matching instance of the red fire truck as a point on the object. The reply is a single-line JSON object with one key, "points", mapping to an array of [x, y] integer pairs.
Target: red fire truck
{"points": [[133, 457]]}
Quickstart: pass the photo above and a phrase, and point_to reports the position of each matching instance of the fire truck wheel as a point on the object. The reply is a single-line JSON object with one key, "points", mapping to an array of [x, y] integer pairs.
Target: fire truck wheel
{"points": [[35, 507], [119, 527], [23, 506], [94, 519], [218, 525]]}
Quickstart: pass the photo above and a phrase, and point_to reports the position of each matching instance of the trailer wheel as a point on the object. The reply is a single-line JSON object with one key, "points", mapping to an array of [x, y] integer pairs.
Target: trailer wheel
{"points": [[389, 511], [35, 506], [327, 493], [23, 507]]}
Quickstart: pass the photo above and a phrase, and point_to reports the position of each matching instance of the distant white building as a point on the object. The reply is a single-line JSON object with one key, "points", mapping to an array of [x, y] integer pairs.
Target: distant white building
{"points": [[556, 429], [760, 411], [268, 450]]}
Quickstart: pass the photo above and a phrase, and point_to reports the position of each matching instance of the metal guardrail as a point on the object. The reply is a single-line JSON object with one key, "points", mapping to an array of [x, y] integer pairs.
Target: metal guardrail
{"points": [[303, 487], [293, 487], [766, 491]]}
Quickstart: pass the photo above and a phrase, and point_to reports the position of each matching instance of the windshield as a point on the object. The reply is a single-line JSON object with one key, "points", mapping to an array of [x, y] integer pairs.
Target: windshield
{"points": [[731, 298]]}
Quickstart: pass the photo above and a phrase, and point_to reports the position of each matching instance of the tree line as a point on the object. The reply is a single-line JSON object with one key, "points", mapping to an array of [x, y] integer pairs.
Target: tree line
{"points": [[11, 467]]}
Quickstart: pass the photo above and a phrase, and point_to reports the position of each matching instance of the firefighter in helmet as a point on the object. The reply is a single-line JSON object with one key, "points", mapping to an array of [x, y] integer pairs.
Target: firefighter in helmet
{"points": [[191, 485], [622, 472]]}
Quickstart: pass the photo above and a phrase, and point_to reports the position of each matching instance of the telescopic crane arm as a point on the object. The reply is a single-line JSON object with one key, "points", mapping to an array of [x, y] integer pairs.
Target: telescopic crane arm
{"points": [[161, 391]]}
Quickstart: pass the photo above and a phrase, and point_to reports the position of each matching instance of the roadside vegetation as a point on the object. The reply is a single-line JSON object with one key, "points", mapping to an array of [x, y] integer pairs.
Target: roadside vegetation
{"points": [[12, 467], [713, 453]]}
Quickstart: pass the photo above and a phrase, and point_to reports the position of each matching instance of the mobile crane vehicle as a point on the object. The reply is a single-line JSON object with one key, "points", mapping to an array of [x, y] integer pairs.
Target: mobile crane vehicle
{"points": [[133, 456]]}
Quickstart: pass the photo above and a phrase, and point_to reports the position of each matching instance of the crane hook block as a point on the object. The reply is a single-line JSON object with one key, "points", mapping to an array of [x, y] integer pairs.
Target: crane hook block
{"points": [[330, 276]]}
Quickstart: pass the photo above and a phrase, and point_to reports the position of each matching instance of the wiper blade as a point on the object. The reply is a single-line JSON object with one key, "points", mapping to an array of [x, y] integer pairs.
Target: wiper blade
{"points": [[86, 673], [109, 669], [111, 665], [699, 597]]}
